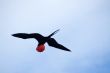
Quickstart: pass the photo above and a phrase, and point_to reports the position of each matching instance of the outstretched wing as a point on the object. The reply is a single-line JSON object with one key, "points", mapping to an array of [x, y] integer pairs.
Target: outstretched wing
{"points": [[52, 42], [27, 36]]}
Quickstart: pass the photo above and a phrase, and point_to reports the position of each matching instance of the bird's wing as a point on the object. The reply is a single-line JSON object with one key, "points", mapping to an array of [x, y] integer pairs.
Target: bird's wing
{"points": [[52, 42], [27, 36]]}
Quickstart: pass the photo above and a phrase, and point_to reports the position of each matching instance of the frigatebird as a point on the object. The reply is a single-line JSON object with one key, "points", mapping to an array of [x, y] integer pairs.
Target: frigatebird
{"points": [[42, 40]]}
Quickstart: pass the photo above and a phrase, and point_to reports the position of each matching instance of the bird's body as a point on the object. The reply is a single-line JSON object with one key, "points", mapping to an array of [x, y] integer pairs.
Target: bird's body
{"points": [[41, 40]]}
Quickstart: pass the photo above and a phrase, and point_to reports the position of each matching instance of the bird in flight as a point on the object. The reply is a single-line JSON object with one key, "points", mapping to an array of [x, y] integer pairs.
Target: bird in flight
{"points": [[42, 40]]}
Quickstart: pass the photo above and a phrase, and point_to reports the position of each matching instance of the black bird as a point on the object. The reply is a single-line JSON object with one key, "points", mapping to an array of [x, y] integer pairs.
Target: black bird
{"points": [[42, 40]]}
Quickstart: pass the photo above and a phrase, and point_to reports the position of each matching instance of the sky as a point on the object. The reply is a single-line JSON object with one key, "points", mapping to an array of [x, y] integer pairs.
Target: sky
{"points": [[84, 28]]}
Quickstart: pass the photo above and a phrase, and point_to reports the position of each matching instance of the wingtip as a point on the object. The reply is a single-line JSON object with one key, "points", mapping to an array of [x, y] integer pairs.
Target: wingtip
{"points": [[12, 34], [69, 50], [58, 30]]}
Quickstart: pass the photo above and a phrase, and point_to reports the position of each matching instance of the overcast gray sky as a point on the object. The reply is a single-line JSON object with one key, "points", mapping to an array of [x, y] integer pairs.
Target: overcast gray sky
{"points": [[84, 28]]}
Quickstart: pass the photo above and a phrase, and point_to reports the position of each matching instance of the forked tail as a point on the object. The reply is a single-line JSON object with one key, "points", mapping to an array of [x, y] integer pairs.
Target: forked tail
{"points": [[53, 33]]}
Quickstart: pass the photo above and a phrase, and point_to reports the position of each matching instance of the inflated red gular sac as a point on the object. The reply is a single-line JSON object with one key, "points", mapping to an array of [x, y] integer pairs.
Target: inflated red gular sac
{"points": [[42, 40], [40, 48]]}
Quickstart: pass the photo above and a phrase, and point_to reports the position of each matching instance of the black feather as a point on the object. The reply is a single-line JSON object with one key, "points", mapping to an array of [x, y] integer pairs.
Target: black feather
{"points": [[52, 42], [27, 36]]}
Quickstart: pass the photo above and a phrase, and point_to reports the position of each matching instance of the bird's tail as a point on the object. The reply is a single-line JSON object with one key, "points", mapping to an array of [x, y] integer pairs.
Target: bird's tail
{"points": [[53, 33]]}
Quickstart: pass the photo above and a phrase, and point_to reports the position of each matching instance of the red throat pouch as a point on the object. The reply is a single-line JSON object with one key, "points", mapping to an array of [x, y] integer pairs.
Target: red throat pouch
{"points": [[40, 48]]}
